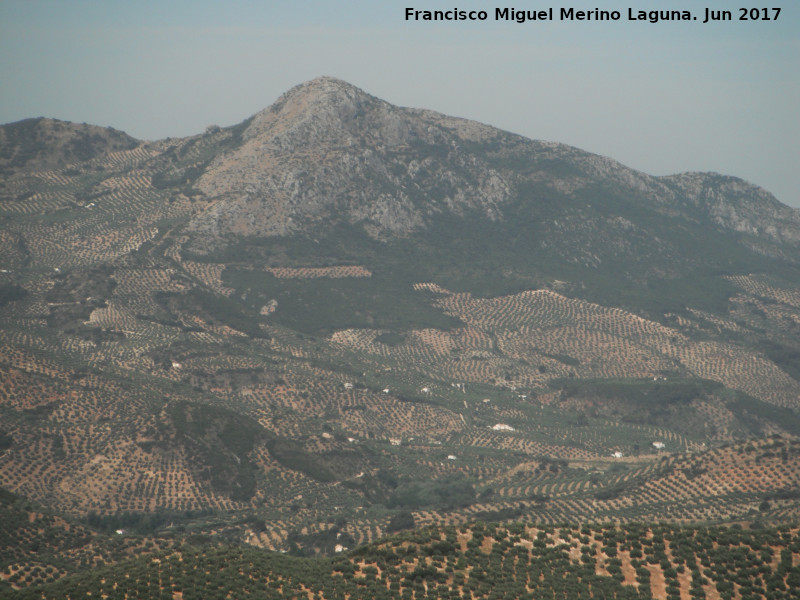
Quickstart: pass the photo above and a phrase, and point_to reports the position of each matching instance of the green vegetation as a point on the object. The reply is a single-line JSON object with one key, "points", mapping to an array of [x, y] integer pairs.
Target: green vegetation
{"points": [[142, 523], [292, 456], [321, 542], [10, 292], [400, 521], [438, 494], [323, 305], [485, 561], [21, 142], [30, 139], [754, 412], [219, 442], [390, 338], [671, 402], [786, 357], [213, 308], [659, 393]]}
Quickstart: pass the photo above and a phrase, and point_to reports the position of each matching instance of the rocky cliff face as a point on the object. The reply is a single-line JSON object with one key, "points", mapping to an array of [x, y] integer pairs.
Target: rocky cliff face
{"points": [[735, 205]]}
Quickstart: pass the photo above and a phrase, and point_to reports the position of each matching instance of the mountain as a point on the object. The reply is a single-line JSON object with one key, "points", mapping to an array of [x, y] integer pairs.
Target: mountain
{"points": [[328, 161], [327, 151], [341, 316], [43, 144]]}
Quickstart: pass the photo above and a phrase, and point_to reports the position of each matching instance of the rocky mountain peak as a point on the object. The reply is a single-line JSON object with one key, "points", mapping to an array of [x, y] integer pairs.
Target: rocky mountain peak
{"points": [[322, 104], [328, 150]]}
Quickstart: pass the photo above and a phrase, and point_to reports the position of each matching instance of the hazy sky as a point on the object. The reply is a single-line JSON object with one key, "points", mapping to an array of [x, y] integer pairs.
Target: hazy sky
{"points": [[664, 97]]}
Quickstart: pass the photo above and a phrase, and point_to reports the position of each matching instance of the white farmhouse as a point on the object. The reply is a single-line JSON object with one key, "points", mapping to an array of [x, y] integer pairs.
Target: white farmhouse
{"points": [[503, 427]]}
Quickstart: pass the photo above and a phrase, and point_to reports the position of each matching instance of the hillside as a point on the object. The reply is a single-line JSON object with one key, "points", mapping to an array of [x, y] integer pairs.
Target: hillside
{"points": [[44, 144], [343, 317], [476, 561]]}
